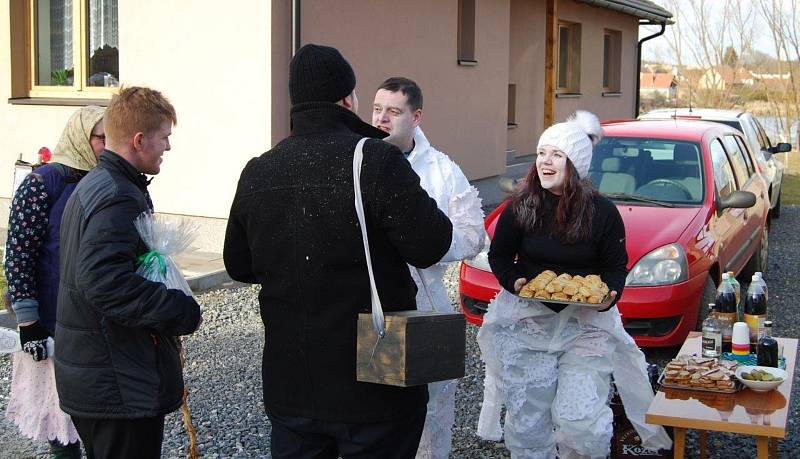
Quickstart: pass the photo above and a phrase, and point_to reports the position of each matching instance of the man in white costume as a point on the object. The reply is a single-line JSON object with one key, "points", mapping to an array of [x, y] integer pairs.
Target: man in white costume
{"points": [[398, 110]]}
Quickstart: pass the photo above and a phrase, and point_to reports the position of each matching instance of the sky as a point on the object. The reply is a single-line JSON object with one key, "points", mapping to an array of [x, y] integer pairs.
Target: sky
{"points": [[658, 49]]}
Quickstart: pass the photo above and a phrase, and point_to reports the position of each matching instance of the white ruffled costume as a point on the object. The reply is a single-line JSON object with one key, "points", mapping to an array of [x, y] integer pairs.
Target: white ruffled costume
{"points": [[447, 185], [33, 401], [553, 373]]}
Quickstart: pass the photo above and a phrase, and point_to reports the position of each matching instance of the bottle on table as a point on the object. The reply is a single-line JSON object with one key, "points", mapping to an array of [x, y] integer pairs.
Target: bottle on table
{"points": [[737, 290], [755, 309], [763, 283], [712, 334], [767, 353], [725, 307]]}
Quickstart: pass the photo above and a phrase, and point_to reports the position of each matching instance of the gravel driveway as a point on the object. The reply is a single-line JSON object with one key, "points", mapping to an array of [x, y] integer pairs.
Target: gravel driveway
{"points": [[224, 374]]}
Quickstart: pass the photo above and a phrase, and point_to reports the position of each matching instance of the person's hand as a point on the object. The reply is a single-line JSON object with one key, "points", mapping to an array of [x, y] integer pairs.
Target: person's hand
{"points": [[612, 295], [34, 340], [519, 283]]}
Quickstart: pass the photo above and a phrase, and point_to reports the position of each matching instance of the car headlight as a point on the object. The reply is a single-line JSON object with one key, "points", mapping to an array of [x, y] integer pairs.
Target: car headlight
{"points": [[481, 260], [664, 265]]}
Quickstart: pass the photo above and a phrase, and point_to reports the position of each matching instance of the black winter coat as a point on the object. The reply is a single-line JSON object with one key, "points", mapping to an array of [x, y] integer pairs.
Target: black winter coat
{"points": [[293, 229], [117, 353]]}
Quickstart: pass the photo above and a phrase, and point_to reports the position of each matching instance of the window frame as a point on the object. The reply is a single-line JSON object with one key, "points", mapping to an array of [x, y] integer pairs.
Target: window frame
{"points": [[612, 62], [80, 37], [573, 58], [465, 39], [719, 169], [512, 106], [751, 167], [737, 160]]}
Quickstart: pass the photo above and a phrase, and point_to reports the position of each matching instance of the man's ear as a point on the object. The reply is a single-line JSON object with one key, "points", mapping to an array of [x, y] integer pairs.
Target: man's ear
{"points": [[137, 141], [347, 102], [417, 119]]}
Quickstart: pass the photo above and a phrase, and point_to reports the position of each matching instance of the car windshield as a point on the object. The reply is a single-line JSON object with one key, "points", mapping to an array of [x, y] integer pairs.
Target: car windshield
{"points": [[648, 171]]}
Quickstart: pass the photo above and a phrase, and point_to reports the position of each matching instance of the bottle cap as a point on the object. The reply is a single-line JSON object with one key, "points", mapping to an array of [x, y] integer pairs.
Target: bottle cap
{"points": [[755, 278], [725, 276], [767, 323]]}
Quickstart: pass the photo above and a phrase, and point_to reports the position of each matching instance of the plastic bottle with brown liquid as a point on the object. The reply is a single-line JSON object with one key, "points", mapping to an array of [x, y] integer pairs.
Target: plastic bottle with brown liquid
{"points": [[725, 306], [755, 310]]}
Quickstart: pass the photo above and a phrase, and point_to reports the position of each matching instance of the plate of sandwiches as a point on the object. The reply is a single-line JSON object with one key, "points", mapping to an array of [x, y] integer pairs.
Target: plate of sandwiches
{"points": [[701, 373], [566, 289]]}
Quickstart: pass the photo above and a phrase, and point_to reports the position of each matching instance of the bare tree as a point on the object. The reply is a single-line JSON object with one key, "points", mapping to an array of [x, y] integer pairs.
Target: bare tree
{"points": [[704, 37], [781, 84]]}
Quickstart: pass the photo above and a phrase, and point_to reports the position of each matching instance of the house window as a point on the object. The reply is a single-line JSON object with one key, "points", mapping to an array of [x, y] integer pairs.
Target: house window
{"points": [[612, 57], [569, 57], [75, 48], [512, 105], [466, 32]]}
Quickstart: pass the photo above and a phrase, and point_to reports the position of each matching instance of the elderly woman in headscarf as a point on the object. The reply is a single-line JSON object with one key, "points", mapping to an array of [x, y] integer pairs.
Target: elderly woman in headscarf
{"points": [[550, 364], [31, 268]]}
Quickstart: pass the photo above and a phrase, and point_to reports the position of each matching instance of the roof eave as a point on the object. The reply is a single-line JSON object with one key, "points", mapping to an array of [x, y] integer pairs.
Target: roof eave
{"points": [[636, 8]]}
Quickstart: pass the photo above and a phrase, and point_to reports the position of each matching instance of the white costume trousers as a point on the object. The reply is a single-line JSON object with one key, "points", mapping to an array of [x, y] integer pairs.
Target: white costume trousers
{"points": [[448, 186], [552, 372]]}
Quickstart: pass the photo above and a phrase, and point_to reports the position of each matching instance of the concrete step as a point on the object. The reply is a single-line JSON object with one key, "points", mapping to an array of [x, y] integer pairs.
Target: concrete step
{"points": [[203, 270]]}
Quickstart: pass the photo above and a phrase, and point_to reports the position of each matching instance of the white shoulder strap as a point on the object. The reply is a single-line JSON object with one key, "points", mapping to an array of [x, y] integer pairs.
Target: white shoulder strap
{"points": [[377, 310]]}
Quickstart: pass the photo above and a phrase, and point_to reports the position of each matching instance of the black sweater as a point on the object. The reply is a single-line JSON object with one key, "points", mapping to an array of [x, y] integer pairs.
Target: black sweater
{"points": [[517, 253]]}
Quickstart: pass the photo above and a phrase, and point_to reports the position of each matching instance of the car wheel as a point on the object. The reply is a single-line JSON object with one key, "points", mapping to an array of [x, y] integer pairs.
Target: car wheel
{"points": [[758, 262], [776, 211], [709, 295]]}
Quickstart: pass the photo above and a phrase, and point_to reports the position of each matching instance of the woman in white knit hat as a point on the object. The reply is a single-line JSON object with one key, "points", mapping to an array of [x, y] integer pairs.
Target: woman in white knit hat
{"points": [[551, 364]]}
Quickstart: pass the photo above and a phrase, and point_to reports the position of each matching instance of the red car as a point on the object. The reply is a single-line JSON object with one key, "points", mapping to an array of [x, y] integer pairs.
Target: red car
{"points": [[694, 206]]}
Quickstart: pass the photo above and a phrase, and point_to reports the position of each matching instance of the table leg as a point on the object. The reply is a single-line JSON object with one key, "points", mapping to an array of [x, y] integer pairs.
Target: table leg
{"points": [[763, 447], [703, 434], [773, 448], [679, 443]]}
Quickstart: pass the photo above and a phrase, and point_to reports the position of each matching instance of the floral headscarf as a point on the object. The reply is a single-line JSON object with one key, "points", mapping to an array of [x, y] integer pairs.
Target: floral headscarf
{"points": [[73, 148]]}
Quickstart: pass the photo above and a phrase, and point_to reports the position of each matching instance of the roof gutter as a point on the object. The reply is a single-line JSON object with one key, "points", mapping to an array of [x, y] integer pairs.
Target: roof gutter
{"points": [[639, 61], [640, 10]]}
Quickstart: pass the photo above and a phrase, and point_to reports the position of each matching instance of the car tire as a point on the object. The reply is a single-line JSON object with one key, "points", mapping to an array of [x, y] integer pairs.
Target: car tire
{"points": [[709, 296], [758, 262], [776, 211]]}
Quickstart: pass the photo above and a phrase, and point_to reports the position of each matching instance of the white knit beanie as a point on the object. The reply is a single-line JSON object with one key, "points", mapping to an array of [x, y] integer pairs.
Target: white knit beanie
{"points": [[575, 137]]}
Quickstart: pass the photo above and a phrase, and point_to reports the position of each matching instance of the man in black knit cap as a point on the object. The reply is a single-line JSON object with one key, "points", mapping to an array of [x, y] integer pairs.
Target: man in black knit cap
{"points": [[293, 229]]}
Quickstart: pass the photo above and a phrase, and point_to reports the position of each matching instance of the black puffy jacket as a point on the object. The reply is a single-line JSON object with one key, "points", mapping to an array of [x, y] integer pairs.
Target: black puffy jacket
{"points": [[117, 354], [293, 229]]}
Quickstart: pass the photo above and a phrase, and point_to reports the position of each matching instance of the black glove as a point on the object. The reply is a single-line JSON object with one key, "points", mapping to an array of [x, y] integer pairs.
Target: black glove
{"points": [[34, 340]]}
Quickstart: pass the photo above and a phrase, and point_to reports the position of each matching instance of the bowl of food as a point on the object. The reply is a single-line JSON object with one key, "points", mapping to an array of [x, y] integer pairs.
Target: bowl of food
{"points": [[761, 379]]}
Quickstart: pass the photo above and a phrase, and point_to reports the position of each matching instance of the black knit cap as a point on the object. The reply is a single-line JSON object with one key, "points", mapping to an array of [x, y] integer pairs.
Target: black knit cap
{"points": [[319, 74]]}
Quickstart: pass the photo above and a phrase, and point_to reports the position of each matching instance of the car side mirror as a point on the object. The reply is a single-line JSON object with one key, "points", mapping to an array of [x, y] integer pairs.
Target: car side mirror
{"points": [[506, 184], [737, 200], [781, 148]]}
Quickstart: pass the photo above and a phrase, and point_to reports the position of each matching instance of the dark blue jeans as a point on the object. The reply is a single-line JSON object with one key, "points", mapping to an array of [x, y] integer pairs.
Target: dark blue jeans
{"points": [[301, 438]]}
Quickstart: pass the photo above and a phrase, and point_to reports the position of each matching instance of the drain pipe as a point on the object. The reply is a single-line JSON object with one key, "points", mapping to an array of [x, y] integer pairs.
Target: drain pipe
{"points": [[639, 59], [296, 43]]}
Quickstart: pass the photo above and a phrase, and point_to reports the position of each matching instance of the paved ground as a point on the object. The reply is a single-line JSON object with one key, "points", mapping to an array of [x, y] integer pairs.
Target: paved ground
{"points": [[224, 376]]}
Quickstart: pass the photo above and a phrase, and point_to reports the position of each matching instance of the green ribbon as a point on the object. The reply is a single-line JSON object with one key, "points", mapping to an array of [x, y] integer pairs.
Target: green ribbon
{"points": [[148, 258]]}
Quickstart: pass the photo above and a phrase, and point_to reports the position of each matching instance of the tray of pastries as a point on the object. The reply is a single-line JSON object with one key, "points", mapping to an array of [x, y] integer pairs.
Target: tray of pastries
{"points": [[566, 289], [701, 373]]}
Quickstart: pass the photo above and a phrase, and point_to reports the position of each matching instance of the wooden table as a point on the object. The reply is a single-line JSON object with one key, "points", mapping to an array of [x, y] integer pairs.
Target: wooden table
{"points": [[762, 414]]}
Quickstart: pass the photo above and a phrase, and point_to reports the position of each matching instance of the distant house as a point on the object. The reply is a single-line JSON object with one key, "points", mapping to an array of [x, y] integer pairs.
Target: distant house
{"points": [[494, 74], [724, 77], [662, 84]]}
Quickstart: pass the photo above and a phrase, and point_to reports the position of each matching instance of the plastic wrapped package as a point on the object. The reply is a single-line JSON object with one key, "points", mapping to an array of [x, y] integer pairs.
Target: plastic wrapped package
{"points": [[166, 237]]}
